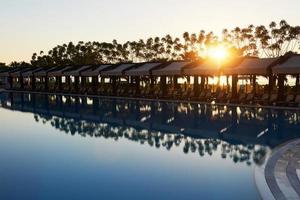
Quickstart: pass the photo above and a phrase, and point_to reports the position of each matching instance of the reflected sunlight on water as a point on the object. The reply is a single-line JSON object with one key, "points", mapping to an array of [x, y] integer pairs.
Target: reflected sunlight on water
{"points": [[145, 149]]}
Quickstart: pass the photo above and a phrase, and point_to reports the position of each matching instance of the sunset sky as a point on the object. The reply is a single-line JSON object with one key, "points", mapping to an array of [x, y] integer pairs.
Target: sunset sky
{"points": [[28, 26]]}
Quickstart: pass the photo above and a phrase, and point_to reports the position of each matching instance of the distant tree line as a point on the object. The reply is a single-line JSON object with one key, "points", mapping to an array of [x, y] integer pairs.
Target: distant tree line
{"points": [[275, 40]]}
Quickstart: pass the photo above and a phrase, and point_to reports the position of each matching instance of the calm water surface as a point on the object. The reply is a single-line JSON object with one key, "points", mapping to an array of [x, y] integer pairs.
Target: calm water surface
{"points": [[59, 147]]}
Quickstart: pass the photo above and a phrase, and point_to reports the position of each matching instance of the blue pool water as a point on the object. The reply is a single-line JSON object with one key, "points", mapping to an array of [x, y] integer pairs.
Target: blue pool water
{"points": [[54, 147]]}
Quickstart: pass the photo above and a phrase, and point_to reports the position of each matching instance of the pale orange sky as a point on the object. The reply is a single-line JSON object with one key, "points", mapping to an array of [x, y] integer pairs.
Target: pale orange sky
{"points": [[33, 25]]}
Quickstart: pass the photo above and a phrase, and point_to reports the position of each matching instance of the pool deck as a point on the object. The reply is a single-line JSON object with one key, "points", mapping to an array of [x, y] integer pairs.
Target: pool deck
{"points": [[160, 100], [279, 178]]}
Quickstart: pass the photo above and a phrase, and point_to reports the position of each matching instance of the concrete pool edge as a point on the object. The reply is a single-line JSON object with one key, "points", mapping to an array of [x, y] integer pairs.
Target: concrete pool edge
{"points": [[277, 178]]}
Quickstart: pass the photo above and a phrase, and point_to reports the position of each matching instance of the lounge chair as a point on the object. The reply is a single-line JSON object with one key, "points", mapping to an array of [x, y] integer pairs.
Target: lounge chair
{"points": [[106, 91], [136, 93], [168, 95], [131, 92], [187, 94], [128, 92], [177, 94], [52, 87], [228, 98], [38, 87], [148, 92], [156, 93], [161, 94], [90, 90], [17, 86], [242, 98], [208, 96], [192, 95], [41, 87], [249, 98], [263, 100], [296, 101], [119, 91], [124, 92], [201, 95], [273, 99], [289, 99], [143, 92], [26, 87], [67, 88], [221, 96], [82, 90], [101, 91]]}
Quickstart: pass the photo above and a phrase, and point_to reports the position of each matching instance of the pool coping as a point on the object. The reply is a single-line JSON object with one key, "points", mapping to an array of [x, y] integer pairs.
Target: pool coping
{"points": [[278, 178]]}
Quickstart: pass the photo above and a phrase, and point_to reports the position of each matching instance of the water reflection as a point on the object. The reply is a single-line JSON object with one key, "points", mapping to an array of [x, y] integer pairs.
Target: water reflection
{"points": [[243, 135]]}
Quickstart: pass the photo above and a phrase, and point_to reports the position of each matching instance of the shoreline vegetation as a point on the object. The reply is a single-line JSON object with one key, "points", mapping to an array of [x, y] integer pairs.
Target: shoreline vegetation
{"points": [[274, 40]]}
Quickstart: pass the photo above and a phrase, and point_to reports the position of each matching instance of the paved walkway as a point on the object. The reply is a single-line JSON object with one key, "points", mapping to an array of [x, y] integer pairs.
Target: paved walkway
{"points": [[279, 177]]}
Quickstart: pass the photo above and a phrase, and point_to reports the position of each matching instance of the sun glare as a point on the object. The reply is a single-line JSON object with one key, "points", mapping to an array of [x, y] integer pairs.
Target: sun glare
{"points": [[219, 52]]}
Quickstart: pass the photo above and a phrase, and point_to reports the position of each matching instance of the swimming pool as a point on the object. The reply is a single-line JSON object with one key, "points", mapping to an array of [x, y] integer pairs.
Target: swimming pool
{"points": [[55, 147]]}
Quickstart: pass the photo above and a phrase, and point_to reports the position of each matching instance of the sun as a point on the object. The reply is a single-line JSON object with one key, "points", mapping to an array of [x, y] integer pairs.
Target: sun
{"points": [[218, 52]]}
